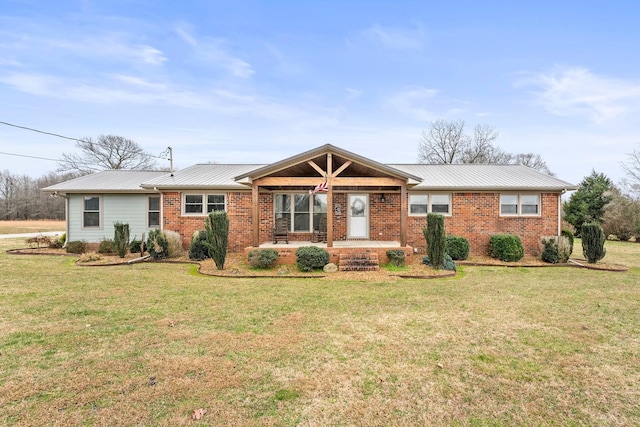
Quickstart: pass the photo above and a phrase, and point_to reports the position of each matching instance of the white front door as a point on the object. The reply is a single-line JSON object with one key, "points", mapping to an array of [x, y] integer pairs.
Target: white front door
{"points": [[358, 214]]}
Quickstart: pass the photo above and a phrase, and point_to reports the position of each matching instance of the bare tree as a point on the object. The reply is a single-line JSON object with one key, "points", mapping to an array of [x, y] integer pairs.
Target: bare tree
{"points": [[446, 142], [632, 168], [107, 152]]}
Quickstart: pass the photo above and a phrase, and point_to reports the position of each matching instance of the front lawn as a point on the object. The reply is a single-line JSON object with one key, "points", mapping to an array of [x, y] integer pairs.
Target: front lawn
{"points": [[149, 344]]}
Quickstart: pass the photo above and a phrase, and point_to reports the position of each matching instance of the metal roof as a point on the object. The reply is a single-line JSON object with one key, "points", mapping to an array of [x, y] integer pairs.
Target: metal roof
{"points": [[211, 175], [482, 177], [124, 181]]}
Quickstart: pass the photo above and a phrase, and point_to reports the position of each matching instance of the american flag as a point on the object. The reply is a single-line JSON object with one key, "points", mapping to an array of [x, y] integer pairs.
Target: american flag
{"points": [[324, 186]]}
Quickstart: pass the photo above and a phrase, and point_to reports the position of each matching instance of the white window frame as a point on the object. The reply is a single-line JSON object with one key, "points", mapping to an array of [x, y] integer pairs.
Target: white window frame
{"points": [[519, 204], [313, 210], [429, 204], [204, 203], [99, 211], [150, 211]]}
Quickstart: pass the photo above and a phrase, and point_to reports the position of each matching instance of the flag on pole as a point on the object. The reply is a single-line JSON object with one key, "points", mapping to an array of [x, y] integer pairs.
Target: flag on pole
{"points": [[324, 186]]}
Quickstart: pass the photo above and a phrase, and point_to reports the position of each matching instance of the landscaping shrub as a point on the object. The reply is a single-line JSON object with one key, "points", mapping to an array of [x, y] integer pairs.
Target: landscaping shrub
{"points": [[56, 243], [137, 246], [174, 244], [199, 248], [435, 235], [570, 236], [217, 228], [121, 238], [106, 247], [457, 247], [447, 263], [263, 258], [593, 242], [90, 257], [76, 247], [397, 257], [506, 247], [555, 249], [309, 258], [157, 244]]}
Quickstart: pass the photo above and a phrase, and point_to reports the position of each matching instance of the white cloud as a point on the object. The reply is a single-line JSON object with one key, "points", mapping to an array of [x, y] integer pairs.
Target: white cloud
{"points": [[396, 38], [575, 91], [414, 102]]}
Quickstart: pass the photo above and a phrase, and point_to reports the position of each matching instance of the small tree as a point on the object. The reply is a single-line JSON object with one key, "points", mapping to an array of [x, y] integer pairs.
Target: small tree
{"points": [[217, 228], [436, 238], [593, 242], [121, 238]]}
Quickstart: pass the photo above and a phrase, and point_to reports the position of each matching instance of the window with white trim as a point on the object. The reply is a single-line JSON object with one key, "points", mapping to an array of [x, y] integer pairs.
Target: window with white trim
{"points": [[153, 212], [519, 204], [304, 213], [203, 204], [91, 212], [422, 203]]}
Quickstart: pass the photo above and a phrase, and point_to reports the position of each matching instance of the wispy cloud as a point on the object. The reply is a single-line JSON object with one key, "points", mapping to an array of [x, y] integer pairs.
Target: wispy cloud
{"points": [[414, 102], [396, 38], [575, 91]]}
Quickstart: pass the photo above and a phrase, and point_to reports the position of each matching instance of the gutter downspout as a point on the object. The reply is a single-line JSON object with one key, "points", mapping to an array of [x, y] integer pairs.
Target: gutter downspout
{"points": [[161, 207], [564, 190]]}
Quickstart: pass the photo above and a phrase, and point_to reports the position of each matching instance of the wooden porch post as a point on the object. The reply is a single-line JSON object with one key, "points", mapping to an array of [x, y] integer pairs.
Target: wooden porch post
{"points": [[403, 215], [255, 201], [330, 201]]}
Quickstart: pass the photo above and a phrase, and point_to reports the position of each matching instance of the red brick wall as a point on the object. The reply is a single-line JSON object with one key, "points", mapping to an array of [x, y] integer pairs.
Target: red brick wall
{"points": [[475, 216]]}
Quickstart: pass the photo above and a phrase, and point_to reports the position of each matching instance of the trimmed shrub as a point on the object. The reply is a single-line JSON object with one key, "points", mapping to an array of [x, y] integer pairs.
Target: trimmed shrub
{"points": [[157, 244], [121, 238], [217, 228], [593, 242], [457, 247], [570, 236], [174, 244], [137, 246], [447, 264], [397, 257], [199, 248], [555, 249], [107, 247], [309, 258], [76, 247], [506, 247], [263, 258], [435, 235]]}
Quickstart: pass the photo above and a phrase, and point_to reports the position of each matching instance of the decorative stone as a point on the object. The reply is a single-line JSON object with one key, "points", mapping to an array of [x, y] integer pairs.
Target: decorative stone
{"points": [[330, 268]]}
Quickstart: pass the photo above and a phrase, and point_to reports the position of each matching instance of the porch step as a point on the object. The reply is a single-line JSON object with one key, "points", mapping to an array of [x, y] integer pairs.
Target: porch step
{"points": [[358, 261]]}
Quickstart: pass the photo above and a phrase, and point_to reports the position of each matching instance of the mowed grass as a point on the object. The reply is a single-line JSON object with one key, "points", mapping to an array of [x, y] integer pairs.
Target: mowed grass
{"points": [[148, 344], [14, 227]]}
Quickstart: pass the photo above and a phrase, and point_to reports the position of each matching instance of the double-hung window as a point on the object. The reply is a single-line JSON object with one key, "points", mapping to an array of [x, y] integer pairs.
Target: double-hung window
{"points": [[91, 212], [304, 214], [153, 212], [519, 204], [202, 204], [420, 204]]}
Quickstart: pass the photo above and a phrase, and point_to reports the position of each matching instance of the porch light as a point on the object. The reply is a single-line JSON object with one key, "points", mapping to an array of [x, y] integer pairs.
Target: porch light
{"points": [[382, 198]]}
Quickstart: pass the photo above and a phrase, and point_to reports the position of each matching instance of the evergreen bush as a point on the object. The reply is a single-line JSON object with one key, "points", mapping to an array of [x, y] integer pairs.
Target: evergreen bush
{"points": [[121, 238], [506, 247], [309, 258], [217, 228], [447, 264], [76, 247], [435, 235], [593, 239], [199, 249], [157, 244], [136, 246], [570, 236], [397, 257], [263, 258], [106, 246], [457, 247]]}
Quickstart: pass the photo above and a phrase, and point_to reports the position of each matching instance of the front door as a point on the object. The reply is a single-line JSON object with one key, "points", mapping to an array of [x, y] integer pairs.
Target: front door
{"points": [[358, 214]]}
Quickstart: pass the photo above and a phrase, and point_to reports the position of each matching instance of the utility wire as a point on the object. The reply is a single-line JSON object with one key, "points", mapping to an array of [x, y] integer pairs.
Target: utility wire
{"points": [[31, 157], [40, 131]]}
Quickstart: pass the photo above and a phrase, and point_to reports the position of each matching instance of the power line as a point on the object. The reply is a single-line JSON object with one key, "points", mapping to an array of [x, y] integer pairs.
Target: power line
{"points": [[30, 157], [40, 131]]}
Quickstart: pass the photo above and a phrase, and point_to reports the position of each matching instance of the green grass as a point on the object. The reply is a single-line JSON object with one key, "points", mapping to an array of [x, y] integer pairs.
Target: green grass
{"points": [[147, 344]]}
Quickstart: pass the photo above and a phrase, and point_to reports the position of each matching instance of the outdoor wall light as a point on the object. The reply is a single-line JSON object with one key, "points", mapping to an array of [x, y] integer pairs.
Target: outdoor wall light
{"points": [[382, 198]]}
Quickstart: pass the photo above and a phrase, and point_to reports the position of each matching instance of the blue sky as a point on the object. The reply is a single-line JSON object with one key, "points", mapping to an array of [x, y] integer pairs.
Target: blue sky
{"points": [[258, 81]]}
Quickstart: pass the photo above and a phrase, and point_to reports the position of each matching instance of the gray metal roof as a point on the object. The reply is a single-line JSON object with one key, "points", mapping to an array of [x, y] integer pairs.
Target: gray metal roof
{"points": [[115, 181], [482, 177], [203, 176]]}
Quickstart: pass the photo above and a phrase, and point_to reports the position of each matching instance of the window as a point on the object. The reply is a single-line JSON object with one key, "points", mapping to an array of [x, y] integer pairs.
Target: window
{"points": [[304, 213], [91, 212], [519, 204], [421, 204], [153, 213], [194, 204]]}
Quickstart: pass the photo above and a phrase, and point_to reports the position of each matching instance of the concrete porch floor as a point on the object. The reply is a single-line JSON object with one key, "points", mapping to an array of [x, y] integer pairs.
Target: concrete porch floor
{"points": [[336, 244]]}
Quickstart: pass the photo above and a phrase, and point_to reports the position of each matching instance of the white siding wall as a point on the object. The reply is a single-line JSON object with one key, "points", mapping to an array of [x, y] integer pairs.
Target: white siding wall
{"points": [[126, 208]]}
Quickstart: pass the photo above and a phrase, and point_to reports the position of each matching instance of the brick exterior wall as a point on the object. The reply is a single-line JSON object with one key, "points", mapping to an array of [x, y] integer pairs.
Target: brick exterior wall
{"points": [[475, 216]]}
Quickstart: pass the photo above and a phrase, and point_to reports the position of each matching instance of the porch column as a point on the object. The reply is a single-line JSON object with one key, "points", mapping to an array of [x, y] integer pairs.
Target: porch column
{"points": [[330, 201], [403, 215], [255, 201]]}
